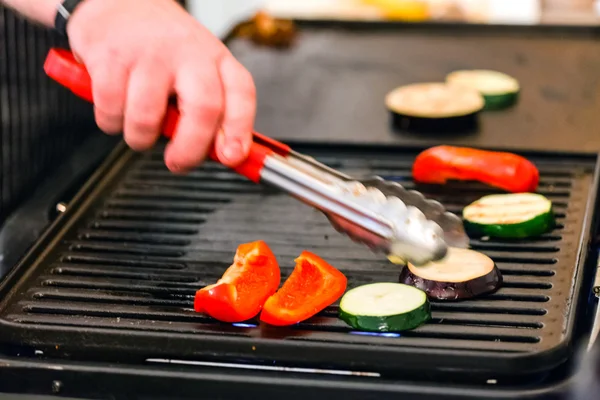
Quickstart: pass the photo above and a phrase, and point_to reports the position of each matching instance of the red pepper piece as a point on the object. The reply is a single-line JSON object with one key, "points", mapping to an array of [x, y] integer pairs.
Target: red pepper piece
{"points": [[502, 170], [312, 286], [244, 287]]}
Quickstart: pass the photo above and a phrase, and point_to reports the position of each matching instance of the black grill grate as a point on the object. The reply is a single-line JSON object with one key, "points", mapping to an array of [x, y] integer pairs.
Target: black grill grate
{"points": [[120, 272]]}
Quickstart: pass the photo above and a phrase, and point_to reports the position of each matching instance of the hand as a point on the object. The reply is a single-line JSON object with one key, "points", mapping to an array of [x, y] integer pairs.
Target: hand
{"points": [[140, 52]]}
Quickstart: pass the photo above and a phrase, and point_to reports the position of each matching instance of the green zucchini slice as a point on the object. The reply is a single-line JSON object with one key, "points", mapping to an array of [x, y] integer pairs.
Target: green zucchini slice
{"points": [[509, 216], [498, 89], [385, 307]]}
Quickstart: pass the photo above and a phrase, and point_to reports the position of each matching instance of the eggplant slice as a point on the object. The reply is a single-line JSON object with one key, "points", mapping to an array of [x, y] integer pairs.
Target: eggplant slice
{"points": [[434, 107], [462, 274]]}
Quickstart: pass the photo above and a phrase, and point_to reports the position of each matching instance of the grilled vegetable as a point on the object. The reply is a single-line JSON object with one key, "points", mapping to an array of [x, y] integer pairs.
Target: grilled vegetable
{"points": [[498, 89], [312, 286], [510, 216], [396, 260], [245, 286], [462, 274], [385, 307], [502, 170], [434, 107]]}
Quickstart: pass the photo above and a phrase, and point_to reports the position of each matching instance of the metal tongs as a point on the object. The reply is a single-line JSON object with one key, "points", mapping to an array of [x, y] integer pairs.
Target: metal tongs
{"points": [[399, 223]]}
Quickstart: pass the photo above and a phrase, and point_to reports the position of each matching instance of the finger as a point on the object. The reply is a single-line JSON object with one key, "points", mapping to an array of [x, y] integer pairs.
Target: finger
{"points": [[109, 88], [200, 102], [147, 98], [233, 144]]}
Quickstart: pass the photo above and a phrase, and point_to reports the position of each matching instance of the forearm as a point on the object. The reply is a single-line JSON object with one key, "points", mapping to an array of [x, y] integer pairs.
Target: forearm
{"points": [[41, 11]]}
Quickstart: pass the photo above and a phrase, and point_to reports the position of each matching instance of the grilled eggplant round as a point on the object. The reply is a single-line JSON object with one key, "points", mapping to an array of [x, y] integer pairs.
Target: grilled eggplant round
{"points": [[436, 107], [462, 274]]}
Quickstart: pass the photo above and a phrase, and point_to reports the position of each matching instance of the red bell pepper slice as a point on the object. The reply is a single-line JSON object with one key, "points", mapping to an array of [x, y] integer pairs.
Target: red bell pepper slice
{"points": [[244, 287], [312, 286], [502, 170]]}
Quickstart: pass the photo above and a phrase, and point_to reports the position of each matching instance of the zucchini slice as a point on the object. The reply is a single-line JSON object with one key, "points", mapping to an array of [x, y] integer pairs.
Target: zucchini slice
{"points": [[509, 216], [434, 106], [462, 274], [499, 90], [385, 307]]}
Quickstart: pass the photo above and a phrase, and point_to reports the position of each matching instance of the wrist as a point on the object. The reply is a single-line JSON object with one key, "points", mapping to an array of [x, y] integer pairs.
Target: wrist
{"points": [[46, 11], [41, 11], [64, 10]]}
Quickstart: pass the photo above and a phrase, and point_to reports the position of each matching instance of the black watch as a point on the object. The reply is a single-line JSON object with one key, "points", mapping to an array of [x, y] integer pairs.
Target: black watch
{"points": [[63, 12]]}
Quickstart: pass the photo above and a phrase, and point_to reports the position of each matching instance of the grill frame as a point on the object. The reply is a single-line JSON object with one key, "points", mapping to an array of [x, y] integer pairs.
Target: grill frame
{"points": [[104, 380], [70, 342]]}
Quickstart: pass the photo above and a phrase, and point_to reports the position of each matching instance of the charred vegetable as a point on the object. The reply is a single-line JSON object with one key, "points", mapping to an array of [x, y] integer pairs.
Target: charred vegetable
{"points": [[498, 89], [462, 274], [245, 286], [385, 307], [312, 286], [503, 170], [434, 107], [510, 216]]}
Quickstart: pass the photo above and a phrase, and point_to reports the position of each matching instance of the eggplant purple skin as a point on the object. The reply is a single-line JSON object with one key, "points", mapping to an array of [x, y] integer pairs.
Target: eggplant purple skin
{"points": [[449, 291], [462, 123]]}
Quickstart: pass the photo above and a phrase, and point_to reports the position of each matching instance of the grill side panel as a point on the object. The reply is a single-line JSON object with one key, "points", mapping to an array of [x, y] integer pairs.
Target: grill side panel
{"points": [[40, 121], [144, 241]]}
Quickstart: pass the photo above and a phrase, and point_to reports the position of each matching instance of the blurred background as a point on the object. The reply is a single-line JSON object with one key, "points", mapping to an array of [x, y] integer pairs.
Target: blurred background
{"points": [[220, 16]]}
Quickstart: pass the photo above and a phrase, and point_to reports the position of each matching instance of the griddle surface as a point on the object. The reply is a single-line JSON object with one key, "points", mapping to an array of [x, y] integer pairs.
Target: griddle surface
{"points": [[331, 86], [117, 274]]}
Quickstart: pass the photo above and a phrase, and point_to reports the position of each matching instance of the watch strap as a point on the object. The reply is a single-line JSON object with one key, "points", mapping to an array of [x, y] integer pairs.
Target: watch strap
{"points": [[63, 13]]}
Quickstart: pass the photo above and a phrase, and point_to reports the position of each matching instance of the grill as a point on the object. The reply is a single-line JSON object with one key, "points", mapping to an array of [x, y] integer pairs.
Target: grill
{"points": [[115, 275]]}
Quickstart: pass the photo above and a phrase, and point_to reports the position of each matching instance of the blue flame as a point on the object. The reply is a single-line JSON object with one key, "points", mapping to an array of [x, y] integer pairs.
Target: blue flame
{"points": [[245, 325], [382, 334]]}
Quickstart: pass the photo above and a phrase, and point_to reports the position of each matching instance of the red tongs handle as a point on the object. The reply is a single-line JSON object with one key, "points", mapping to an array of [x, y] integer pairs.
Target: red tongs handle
{"points": [[63, 67]]}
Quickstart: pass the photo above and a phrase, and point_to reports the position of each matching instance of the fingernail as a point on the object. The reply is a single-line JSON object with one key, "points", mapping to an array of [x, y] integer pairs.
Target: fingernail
{"points": [[174, 167], [232, 150]]}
